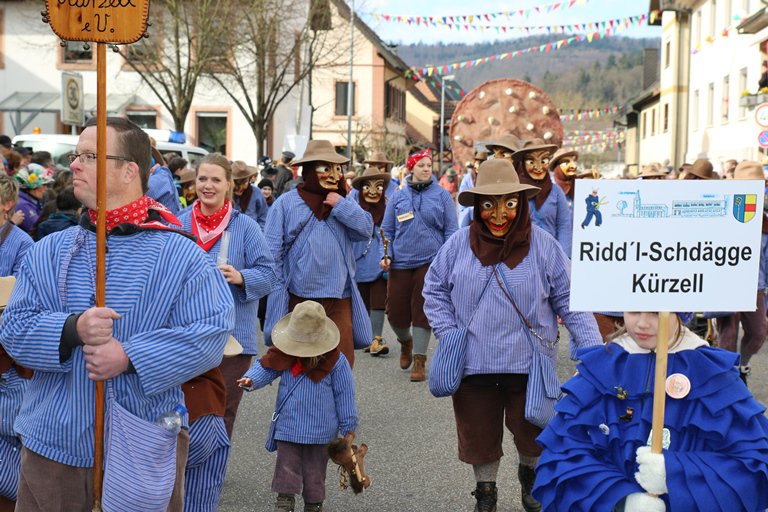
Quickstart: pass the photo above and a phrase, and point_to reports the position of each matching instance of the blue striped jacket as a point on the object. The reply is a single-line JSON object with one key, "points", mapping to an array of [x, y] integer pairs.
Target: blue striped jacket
{"points": [[555, 217], [316, 412], [415, 241], [497, 337], [162, 188], [13, 249], [313, 257], [257, 207], [248, 253], [176, 314], [368, 254]]}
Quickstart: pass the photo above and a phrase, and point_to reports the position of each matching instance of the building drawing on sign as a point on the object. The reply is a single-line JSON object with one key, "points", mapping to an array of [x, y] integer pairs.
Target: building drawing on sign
{"points": [[707, 206]]}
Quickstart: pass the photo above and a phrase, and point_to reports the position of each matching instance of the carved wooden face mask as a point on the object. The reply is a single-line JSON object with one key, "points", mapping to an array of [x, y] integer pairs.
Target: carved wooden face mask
{"points": [[537, 164], [568, 165], [372, 190], [498, 213], [328, 175], [502, 153]]}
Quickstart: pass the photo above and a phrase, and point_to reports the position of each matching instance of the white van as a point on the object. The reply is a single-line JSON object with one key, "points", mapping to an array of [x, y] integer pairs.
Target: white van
{"points": [[61, 146]]}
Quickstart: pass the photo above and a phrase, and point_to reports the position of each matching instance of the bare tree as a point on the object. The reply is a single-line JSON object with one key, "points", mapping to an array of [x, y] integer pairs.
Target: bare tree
{"points": [[278, 44], [183, 42]]}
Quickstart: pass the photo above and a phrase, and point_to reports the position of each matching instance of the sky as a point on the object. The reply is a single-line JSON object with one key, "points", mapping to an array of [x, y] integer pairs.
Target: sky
{"points": [[583, 11]]}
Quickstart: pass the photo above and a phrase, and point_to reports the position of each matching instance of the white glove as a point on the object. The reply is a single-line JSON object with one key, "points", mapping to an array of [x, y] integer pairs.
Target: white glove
{"points": [[642, 502], [652, 474]]}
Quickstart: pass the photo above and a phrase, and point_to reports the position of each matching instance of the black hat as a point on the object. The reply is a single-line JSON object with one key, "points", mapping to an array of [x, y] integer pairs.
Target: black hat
{"points": [[288, 156], [5, 141], [266, 183]]}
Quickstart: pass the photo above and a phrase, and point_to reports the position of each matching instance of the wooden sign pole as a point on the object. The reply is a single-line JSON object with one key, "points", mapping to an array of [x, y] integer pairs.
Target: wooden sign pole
{"points": [[660, 381], [101, 252]]}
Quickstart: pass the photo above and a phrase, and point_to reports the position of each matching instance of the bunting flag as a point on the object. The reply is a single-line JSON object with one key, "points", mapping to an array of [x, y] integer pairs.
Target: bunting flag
{"points": [[595, 148], [724, 34], [417, 73], [469, 19], [523, 30], [590, 113]]}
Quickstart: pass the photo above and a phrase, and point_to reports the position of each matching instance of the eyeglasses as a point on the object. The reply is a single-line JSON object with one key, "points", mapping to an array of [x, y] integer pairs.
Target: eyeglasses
{"points": [[90, 158]]}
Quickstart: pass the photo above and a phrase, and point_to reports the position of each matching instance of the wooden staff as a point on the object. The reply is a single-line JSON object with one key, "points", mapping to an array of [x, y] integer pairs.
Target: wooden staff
{"points": [[385, 243], [101, 252], [660, 381]]}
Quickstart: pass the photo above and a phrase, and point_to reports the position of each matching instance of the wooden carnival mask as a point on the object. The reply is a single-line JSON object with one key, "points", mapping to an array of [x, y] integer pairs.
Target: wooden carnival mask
{"points": [[498, 213], [537, 163], [568, 165], [372, 190], [328, 175]]}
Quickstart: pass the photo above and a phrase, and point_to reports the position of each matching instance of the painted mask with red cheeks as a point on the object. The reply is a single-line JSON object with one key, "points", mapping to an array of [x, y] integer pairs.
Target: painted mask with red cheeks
{"points": [[537, 164], [328, 175], [372, 190], [498, 213], [568, 165]]}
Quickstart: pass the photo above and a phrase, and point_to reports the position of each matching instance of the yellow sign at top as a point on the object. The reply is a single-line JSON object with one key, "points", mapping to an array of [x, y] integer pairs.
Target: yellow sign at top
{"points": [[98, 21]]}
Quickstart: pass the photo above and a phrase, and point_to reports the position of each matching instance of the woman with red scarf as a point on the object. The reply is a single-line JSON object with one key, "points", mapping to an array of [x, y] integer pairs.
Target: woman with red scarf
{"points": [[235, 242], [418, 220]]}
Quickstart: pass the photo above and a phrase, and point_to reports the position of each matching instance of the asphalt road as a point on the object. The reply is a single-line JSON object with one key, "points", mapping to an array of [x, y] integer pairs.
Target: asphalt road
{"points": [[411, 435]]}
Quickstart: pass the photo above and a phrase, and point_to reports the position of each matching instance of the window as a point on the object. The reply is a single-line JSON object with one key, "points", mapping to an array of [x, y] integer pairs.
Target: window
{"points": [[695, 110], [725, 100], [698, 28], [653, 122], [712, 18], [341, 99], [212, 131], [75, 55], [665, 121], [394, 106], [143, 118], [645, 123], [742, 87], [710, 104], [667, 53], [727, 14], [2, 48]]}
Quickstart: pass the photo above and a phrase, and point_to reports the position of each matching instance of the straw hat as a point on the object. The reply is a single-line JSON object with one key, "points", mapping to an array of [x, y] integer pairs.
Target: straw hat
{"points": [[559, 155], [187, 176], [703, 169], [508, 141], [749, 170], [306, 332], [232, 348], [379, 157], [320, 151], [496, 177], [6, 287], [242, 171], [371, 173], [652, 171]]}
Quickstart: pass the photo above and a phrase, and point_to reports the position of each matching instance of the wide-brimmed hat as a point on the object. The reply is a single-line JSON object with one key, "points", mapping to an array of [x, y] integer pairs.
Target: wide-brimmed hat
{"points": [[481, 156], [371, 173], [749, 170], [496, 177], [652, 171], [703, 169], [241, 171], [534, 145], [186, 176], [321, 151], [233, 347], [33, 176], [508, 141], [6, 287], [588, 174], [379, 157], [559, 155], [306, 332]]}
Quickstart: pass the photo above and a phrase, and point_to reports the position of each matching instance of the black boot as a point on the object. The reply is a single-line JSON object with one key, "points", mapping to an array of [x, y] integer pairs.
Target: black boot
{"points": [[527, 477], [485, 494]]}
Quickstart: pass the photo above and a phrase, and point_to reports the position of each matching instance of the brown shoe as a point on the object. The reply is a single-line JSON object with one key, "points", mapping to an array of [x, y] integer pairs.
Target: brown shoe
{"points": [[419, 370], [378, 347], [406, 351]]}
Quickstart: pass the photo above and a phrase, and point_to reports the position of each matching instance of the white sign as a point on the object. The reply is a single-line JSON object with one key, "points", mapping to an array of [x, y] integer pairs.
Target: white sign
{"points": [[664, 245], [761, 115], [72, 111]]}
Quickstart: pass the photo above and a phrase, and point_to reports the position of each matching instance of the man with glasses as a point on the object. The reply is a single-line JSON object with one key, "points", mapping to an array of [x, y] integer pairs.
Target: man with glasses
{"points": [[153, 336]]}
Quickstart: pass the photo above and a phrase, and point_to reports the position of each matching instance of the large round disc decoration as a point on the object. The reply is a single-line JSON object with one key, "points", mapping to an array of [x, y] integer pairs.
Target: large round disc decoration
{"points": [[500, 107]]}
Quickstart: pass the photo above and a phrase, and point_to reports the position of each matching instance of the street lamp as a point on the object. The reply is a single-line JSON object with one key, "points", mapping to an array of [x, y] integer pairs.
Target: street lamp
{"points": [[443, 78]]}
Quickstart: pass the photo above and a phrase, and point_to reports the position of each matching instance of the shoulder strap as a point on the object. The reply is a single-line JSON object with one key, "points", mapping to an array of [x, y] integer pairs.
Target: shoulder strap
{"points": [[528, 326], [287, 396], [482, 294]]}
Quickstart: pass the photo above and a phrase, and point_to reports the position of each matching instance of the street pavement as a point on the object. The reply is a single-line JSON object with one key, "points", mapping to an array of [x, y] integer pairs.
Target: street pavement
{"points": [[412, 458]]}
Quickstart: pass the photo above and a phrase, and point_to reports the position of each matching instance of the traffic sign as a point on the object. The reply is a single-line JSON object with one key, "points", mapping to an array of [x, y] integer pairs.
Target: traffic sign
{"points": [[72, 111], [762, 139], [761, 115]]}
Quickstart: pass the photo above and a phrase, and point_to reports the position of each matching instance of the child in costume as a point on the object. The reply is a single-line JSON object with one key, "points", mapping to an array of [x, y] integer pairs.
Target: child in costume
{"points": [[315, 402], [715, 449]]}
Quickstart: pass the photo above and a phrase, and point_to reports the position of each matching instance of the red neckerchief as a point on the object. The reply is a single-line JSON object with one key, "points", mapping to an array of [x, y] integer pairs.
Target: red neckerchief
{"points": [[414, 158], [277, 360], [137, 213], [208, 228]]}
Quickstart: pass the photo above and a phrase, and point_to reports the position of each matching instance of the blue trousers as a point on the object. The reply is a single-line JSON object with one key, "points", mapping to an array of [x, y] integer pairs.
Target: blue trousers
{"points": [[598, 218], [207, 464]]}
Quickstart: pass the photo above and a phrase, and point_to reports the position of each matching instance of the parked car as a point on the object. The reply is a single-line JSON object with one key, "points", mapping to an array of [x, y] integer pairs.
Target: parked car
{"points": [[60, 146]]}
